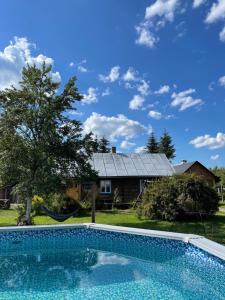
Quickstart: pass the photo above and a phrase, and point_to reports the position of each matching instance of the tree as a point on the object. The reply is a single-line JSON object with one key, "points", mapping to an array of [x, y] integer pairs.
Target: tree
{"points": [[166, 146], [152, 144], [41, 148], [95, 145], [103, 145], [91, 143]]}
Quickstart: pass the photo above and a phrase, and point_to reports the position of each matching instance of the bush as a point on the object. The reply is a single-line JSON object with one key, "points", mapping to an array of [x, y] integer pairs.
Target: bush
{"points": [[62, 204], [37, 201], [173, 197]]}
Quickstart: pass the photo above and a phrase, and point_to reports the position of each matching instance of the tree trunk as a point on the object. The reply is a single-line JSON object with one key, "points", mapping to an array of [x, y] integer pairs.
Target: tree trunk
{"points": [[28, 210]]}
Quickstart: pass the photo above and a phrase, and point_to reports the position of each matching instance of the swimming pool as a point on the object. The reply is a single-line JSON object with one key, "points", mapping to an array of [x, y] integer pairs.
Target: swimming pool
{"points": [[106, 262]]}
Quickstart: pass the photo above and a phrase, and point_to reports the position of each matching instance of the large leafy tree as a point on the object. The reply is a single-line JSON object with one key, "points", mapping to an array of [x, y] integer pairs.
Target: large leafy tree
{"points": [[166, 146], [41, 148], [152, 144]]}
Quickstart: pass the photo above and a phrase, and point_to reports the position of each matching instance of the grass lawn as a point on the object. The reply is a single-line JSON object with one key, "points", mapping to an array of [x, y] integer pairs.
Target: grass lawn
{"points": [[213, 228]]}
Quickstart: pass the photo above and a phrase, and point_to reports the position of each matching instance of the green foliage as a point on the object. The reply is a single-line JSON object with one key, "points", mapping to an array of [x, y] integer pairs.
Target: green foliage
{"points": [[96, 145], [220, 172], [171, 197], [21, 215], [166, 146], [36, 202], [152, 144], [62, 204], [40, 147], [103, 145]]}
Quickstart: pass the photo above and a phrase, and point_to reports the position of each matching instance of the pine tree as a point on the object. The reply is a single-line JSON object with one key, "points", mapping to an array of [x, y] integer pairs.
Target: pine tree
{"points": [[103, 145], [166, 146], [152, 144]]}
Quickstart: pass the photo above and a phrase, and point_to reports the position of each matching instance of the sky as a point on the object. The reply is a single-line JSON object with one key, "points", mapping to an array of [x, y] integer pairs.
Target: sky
{"points": [[141, 66]]}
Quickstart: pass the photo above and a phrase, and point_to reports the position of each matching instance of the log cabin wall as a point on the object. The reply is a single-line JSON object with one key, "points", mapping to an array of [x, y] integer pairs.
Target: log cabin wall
{"points": [[201, 171], [123, 191]]}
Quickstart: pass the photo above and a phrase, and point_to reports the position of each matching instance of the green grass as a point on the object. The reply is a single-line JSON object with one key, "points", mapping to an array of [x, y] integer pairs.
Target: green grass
{"points": [[222, 205], [213, 228]]}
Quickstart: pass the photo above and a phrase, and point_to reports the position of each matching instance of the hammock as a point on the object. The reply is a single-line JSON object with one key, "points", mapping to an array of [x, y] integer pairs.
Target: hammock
{"points": [[56, 216]]}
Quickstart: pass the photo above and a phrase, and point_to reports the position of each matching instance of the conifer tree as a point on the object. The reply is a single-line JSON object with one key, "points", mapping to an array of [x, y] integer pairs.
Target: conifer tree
{"points": [[152, 144], [166, 146], [103, 145]]}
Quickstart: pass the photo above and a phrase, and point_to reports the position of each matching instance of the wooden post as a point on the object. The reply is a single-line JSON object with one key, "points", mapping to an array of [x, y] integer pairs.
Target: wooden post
{"points": [[222, 191], [93, 203]]}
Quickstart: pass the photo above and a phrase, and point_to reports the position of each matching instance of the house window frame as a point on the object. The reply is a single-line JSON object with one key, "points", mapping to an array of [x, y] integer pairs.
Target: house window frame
{"points": [[103, 183]]}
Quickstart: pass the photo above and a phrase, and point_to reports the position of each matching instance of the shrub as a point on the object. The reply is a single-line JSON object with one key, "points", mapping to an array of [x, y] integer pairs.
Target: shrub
{"points": [[172, 197], [62, 203], [37, 201]]}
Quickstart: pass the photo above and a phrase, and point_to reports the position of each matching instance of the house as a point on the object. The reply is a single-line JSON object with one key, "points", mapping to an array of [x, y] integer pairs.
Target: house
{"points": [[6, 197], [122, 177], [197, 168]]}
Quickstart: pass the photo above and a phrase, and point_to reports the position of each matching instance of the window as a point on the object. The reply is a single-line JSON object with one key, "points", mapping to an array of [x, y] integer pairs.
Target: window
{"points": [[105, 186]]}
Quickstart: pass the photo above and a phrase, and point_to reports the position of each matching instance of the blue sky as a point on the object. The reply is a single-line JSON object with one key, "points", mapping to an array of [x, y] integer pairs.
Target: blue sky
{"points": [[141, 65]]}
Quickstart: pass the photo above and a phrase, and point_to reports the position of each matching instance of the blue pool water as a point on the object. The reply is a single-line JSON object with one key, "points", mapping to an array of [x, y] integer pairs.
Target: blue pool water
{"points": [[93, 264]]}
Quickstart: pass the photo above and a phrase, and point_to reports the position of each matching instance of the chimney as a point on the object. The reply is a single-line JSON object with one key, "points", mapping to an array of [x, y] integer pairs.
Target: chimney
{"points": [[113, 150]]}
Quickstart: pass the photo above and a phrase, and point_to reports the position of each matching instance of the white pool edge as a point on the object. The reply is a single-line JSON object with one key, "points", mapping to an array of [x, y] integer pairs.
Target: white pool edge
{"points": [[201, 242]]}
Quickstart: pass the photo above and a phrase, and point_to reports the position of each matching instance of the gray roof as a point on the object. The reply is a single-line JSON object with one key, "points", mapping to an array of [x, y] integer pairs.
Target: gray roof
{"points": [[183, 167], [131, 165]]}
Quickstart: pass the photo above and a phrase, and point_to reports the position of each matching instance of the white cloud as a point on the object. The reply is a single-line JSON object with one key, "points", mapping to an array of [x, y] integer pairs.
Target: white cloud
{"points": [[222, 35], [91, 96], [163, 90], [184, 100], [56, 77], [141, 149], [197, 3], [75, 113], [222, 81], [155, 114], [217, 12], [126, 144], [79, 65], [114, 127], [130, 75], [136, 102], [162, 8], [112, 76], [145, 36], [156, 16], [106, 92], [17, 55], [144, 88], [82, 69], [209, 142], [215, 157]]}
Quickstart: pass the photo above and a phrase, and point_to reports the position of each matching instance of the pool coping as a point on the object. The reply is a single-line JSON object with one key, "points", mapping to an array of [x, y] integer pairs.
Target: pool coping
{"points": [[201, 242]]}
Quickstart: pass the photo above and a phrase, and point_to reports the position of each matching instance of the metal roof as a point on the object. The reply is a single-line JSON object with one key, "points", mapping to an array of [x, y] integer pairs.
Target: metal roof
{"points": [[183, 167], [131, 165]]}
